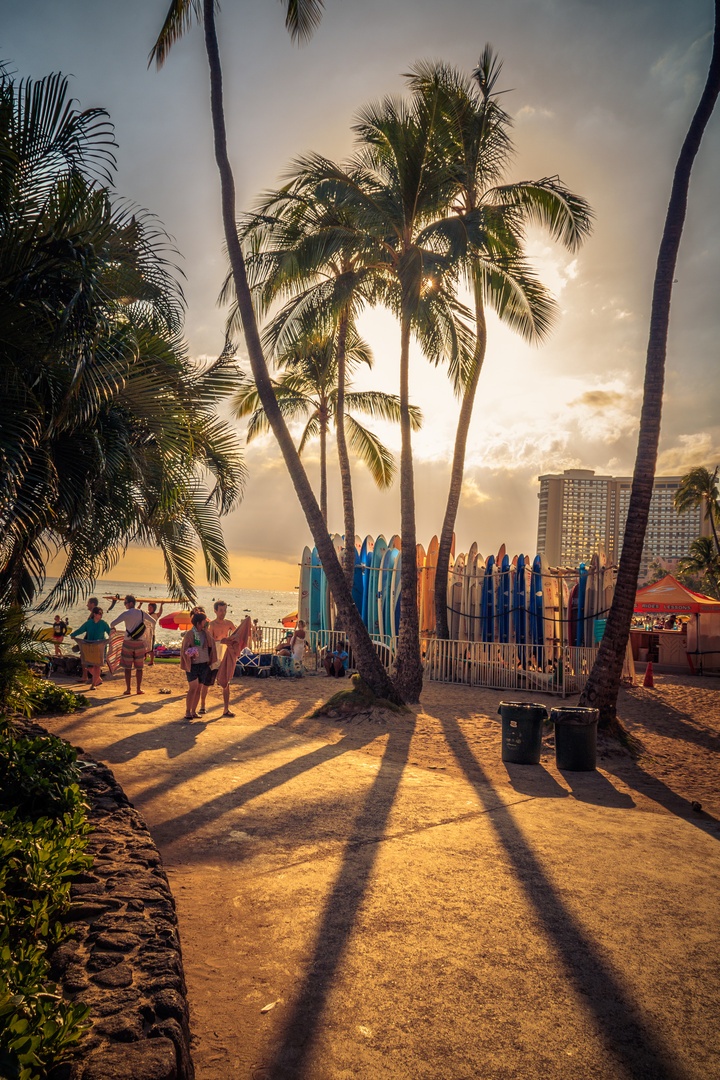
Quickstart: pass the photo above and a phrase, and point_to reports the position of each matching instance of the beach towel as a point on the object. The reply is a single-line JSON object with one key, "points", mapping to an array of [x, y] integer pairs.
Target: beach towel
{"points": [[235, 644], [112, 659]]}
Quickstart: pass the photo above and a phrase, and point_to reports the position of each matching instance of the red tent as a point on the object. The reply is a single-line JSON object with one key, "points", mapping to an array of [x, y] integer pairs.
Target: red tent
{"points": [[668, 596]]}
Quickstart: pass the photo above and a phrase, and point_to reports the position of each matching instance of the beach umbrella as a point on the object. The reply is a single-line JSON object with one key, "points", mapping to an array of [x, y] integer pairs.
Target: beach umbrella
{"points": [[176, 620], [290, 619]]}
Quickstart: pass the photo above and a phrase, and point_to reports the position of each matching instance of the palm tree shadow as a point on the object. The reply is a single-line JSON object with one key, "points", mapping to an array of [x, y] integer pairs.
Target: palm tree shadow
{"points": [[341, 910], [633, 1044], [534, 780], [176, 737]]}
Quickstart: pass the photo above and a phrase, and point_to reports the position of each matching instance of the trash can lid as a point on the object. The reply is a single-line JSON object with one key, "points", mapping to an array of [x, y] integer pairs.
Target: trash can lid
{"points": [[573, 714], [522, 705]]}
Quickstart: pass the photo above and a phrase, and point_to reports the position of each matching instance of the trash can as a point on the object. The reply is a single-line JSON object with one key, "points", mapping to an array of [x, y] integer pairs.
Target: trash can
{"points": [[522, 731], [575, 737]]}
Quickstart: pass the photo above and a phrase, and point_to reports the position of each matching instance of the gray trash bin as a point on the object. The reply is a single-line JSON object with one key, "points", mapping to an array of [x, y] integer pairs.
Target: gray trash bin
{"points": [[575, 737], [522, 723]]}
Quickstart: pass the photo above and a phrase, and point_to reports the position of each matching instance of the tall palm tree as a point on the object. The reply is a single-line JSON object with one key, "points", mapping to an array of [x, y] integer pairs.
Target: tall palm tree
{"points": [[489, 219], [303, 243], [309, 387], [302, 17], [105, 429], [399, 184], [699, 487], [601, 689], [703, 561]]}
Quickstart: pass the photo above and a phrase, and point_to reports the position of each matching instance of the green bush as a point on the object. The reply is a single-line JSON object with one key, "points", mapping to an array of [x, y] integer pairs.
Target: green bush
{"points": [[45, 697], [38, 775], [43, 838]]}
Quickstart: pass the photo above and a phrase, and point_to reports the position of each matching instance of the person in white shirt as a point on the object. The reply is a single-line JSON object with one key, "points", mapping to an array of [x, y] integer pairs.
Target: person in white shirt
{"points": [[134, 645]]}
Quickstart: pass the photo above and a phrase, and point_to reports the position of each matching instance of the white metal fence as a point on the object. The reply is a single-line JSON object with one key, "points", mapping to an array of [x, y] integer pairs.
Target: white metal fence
{"points": [[556, 670]]}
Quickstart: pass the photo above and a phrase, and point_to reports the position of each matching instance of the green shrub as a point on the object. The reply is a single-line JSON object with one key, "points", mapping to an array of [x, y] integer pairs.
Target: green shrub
{"points": [[46, 697], [38, 775]]}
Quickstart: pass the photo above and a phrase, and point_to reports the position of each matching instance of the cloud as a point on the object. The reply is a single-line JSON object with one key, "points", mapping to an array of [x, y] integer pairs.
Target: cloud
{"points": [[471, 493], [689, 452]]}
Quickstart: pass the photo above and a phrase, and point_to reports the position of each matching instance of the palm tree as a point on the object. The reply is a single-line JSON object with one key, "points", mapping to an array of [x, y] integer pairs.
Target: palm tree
{"points": [[302, 17], [699, 487], [309, 387], [490, 219], [703, 561], [303, 243], [105, 429], [398, 184], [601, 690]]}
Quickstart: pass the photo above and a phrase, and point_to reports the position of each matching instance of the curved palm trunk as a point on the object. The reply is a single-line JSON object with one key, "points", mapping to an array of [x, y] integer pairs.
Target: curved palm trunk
{"points": [[367, 661], [323, 462], [409, 673], [343, 458], [602, 687], [458, 469]]}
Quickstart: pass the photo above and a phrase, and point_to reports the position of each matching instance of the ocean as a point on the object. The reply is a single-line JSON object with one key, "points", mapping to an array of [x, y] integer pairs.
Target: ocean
{"points": [[267, 606]]}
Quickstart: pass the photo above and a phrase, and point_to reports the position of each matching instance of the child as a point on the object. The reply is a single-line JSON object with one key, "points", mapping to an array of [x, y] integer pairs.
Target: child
{"points": [[59, 630], [196, 655]]}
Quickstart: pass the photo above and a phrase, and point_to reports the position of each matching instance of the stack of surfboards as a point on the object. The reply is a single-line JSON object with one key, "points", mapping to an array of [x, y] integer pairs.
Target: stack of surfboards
{"points": [[519, 600]]}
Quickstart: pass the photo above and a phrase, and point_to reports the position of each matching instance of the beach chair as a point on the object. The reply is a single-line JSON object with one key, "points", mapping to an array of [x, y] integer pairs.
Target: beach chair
{"points": [[256, 665]]}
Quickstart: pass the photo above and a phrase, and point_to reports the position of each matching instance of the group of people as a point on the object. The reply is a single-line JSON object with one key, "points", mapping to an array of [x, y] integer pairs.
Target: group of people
{"points": [[201, 651], [137, 643]]}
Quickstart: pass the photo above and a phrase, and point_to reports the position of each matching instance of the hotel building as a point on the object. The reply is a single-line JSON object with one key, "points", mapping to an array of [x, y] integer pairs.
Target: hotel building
{"points": [[580, 511]]}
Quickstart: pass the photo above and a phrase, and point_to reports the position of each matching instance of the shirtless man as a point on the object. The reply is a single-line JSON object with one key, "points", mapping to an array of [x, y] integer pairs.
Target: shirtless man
{"points": [[219, 628]]}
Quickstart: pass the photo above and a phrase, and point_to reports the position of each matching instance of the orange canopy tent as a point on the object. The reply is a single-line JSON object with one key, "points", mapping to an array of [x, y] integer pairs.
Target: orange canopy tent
{"points": [[667, 597]]}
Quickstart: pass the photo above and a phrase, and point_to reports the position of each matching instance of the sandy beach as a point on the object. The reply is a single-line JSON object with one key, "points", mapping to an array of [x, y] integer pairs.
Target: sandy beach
{"points": [[677, 724]]}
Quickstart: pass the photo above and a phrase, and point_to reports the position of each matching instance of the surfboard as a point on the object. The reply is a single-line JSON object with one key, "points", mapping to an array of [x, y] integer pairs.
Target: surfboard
{"points": [[357, 586], [536, 604], [488, 600], [395, 600], [551, 610], [518, 601], [573, 615], [394, 542], [582, 589], [504, 600], [465, 613], [366, 551], [479, 574], [384, 585], [304, 589], [591, 600], [374, 586], [420, 564], [47, 634], [140, 600], [316, 576], [454, 597], [428, 621]]}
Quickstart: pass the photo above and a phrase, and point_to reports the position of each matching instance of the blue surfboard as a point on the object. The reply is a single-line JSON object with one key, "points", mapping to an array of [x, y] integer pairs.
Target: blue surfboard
{"points": [[316, 575], [536, 602], [366, 560], [582, 592], [374, 586], [488, 600]]}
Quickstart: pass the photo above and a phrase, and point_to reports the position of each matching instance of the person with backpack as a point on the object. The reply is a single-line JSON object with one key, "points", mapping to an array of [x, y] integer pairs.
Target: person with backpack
{"points": [[134, 646]]}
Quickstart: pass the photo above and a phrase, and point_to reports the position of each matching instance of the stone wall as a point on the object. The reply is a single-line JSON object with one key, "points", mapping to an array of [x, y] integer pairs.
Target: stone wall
{"points": [[123, 959]]}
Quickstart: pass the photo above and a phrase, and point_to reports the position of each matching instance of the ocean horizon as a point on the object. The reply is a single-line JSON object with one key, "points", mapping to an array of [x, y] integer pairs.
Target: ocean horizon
{"points": [[268, 606]]}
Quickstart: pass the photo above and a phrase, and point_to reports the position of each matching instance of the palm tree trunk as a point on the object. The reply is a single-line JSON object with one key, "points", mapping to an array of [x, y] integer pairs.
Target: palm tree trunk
{"points": [[343, 458], [323, 462], [408, 663], [458, 467], [602, 687], [366, 659]]}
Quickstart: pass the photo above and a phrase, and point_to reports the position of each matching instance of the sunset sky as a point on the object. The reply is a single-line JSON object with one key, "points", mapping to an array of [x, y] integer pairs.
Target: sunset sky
{"points": [[602, 93]]}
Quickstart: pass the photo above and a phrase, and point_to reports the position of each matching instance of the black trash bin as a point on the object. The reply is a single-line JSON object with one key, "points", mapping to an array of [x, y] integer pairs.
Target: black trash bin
{"points": [[522, 731], [575, 737]]}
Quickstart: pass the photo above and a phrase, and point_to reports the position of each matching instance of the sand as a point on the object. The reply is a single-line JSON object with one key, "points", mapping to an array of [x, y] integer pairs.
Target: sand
{"points": [[677, 724]]}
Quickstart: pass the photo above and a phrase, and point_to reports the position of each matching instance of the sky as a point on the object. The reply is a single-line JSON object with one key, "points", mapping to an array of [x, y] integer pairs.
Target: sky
{"points": [[601, 92]]}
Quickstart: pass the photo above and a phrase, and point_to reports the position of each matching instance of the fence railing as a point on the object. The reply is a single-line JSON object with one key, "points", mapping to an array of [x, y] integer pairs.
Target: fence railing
{"points": [[557, 670]]}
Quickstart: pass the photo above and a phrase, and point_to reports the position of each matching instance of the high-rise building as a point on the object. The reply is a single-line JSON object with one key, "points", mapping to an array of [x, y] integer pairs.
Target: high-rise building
{"points": [[580, 511]]}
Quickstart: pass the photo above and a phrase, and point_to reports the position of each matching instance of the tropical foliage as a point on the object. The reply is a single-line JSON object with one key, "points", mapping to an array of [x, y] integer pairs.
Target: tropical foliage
{"points": [[309, 387], [108, 434], [702, 563], [699, 487]]}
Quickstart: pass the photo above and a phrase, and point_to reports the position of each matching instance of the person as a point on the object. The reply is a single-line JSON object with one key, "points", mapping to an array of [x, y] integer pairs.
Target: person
{"points": [[197, 653], [219, 628], [134, 646], [155, 614], [297, 642], [95, 629], [283, 649], [92, 603], [257, 634], [59, 630], [336, 660]]}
